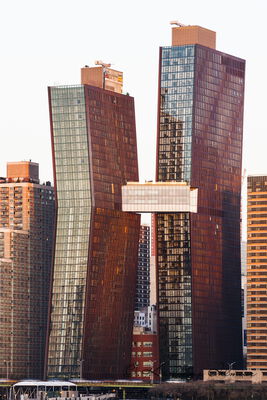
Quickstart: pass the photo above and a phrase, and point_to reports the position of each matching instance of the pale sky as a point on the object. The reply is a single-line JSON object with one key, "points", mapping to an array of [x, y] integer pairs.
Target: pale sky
{"points": [[47, 42]]}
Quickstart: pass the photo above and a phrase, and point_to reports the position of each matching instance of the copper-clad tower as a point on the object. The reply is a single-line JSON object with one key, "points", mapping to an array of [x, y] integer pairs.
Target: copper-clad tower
{"points": [[200, 122], [96, 244]]}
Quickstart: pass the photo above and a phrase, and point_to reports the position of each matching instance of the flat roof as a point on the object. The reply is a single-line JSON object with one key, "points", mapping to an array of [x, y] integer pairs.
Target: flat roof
{"points": [[170, 183], [44, 383]]}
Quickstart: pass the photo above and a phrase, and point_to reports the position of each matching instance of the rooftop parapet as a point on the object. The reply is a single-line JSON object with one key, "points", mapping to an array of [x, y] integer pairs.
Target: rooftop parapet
{"points": [[186, 35], [22, 171]]}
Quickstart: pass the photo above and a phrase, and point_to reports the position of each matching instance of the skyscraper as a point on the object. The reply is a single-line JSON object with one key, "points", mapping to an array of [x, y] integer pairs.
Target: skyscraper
{"points": [[257, 272], [153, 283], [26, 232], [142, 296], [200, 108], [96, 244]]}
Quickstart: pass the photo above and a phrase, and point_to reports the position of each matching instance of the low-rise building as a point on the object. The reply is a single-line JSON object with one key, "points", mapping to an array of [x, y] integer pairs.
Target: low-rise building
{"points": [[231, 376], [146, 318], [145, 357]]}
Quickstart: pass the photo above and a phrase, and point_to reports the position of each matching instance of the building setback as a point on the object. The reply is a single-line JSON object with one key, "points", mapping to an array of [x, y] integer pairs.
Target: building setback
{"points": [[200, 121], [256, 272], [96, 244], [26, 232], [142, 296]]}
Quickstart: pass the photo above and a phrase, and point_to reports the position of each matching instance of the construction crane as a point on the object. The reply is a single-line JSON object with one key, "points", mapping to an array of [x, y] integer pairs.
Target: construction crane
{"points": [[177, 23]]}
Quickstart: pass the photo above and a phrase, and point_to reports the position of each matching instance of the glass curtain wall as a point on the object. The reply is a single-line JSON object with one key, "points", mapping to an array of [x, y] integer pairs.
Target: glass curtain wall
{"points": [[173, 230], [70, 143]]}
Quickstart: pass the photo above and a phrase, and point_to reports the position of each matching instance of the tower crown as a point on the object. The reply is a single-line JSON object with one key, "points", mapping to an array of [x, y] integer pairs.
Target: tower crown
{"points": [[102, 76], [184, 35]]}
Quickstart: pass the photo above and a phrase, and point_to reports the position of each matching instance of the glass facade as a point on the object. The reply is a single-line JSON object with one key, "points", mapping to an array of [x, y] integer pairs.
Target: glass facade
{"points": [[70, 142], [92, 302], [200, 141], [176, 105], [174, 290], [173, 230], [215, 230]]}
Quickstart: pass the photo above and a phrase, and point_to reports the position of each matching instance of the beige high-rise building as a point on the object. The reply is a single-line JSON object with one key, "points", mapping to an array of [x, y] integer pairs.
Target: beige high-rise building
{"points": [[257, 273], [26, 232]]}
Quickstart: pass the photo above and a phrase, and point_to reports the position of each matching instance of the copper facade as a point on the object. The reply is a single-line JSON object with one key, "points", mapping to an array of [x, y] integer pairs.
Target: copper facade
{"points": [[92, 302], [201, 95], [257, 273], [26, 227], [193, 34]]}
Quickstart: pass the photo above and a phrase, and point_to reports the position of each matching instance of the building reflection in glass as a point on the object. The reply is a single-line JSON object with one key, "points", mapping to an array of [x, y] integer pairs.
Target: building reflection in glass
{"points": [[96, 246], [200, 142]]}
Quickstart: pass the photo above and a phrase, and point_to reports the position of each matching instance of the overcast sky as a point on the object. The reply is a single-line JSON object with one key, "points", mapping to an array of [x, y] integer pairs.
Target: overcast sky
{"points": [[46, 42]]}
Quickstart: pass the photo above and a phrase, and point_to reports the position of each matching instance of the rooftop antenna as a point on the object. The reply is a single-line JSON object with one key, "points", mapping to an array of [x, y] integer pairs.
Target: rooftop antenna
{"points": [[104, 69], [177, 23], [100, 62]]}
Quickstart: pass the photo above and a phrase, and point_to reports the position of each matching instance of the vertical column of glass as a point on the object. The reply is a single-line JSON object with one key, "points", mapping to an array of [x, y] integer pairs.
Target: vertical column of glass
{"points": [[176, 105], [174, 164], [175, 306], [72, 235]]}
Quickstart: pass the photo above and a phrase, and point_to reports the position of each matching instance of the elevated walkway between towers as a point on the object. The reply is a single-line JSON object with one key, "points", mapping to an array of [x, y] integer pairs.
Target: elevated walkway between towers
{"points": [[159, 197]]}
